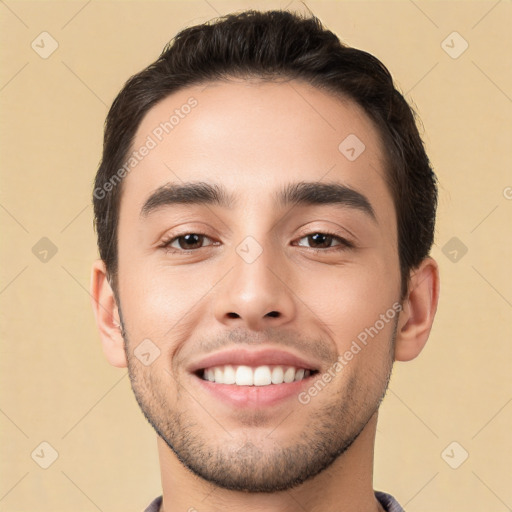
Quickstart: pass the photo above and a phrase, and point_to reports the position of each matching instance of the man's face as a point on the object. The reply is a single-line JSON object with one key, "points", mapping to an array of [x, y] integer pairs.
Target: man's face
{"points": [[307, 278]]}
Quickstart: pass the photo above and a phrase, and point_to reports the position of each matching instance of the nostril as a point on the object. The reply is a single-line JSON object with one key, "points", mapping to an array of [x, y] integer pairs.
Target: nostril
{"points": [[272, 314]]}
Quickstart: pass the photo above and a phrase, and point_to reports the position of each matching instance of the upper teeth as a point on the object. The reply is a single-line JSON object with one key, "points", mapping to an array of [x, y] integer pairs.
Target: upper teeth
{"points": [[259, 376]]}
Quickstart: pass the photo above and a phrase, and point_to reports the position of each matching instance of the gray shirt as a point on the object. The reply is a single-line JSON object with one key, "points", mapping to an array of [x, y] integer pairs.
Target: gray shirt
{"points": [[386, 500]]}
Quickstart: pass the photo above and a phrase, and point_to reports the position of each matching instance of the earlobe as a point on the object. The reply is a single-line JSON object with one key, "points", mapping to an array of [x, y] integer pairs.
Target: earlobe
{"points": [[107, 316], [419, 309]]}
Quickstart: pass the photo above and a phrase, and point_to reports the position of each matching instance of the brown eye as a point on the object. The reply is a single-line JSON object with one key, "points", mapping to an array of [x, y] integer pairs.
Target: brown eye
{"points": [[186, 242], [190, 241], [322, 240]]}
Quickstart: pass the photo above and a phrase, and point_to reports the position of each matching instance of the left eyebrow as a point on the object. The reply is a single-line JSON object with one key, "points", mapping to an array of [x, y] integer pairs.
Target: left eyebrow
{"points": [[315, 193], [299, 193]]}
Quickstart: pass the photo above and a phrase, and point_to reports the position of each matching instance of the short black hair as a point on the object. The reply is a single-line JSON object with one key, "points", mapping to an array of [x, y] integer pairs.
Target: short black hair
{"points": [[272, 45]]}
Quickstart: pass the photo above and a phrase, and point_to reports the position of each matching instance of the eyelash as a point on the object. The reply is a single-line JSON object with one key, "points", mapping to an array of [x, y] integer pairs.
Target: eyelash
{"points": [[343, 242]]}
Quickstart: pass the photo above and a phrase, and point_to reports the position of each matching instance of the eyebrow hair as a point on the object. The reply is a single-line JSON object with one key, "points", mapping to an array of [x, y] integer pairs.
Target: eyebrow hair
{"points": [[313, 193], [300, 193], [187, 193]]}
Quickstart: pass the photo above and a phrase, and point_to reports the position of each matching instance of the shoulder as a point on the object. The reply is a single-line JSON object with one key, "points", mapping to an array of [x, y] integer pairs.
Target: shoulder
{"points": [[388, 502], [154, 506]]}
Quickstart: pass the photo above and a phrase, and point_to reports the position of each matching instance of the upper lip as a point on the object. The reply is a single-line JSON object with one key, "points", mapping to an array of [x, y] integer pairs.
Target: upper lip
{"points": [[268, 356]]}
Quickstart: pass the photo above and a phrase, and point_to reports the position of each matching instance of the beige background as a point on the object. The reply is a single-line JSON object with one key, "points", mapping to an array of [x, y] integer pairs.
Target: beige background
{"points": [[56, 386]]}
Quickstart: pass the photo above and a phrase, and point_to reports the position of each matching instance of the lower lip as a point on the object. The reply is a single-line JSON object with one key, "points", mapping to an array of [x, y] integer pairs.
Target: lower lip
{"points": [[254, 396]]}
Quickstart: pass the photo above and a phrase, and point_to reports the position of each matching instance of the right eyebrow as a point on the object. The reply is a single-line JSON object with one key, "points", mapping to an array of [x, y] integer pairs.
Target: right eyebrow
{"points": [[187, 193]]}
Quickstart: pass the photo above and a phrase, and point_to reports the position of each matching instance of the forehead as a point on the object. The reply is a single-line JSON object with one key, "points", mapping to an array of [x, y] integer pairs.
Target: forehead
{"points": [[253, 137]]}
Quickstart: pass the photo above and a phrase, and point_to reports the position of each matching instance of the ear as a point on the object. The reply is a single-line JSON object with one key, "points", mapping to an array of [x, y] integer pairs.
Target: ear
{"points": [[419, 309], [107, 316]]}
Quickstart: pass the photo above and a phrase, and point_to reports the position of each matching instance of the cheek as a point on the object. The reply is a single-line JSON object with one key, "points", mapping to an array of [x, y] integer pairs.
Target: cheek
{"points": [[158, 303], [352, 302]]}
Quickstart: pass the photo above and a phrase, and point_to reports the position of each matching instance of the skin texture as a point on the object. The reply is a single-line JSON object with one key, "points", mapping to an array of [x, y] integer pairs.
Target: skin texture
{"points": [[255, 138]]}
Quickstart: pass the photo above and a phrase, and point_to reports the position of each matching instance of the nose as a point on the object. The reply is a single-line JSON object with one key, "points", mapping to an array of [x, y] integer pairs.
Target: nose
{"points": [[254, 294]]}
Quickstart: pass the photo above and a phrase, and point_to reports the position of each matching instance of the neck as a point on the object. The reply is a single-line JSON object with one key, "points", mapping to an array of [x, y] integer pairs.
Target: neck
{"points": [[347, 485]]}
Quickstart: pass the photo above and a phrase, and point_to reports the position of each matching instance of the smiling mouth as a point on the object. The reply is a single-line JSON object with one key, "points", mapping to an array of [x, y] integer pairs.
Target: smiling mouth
{"points": [[265, 375]]}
